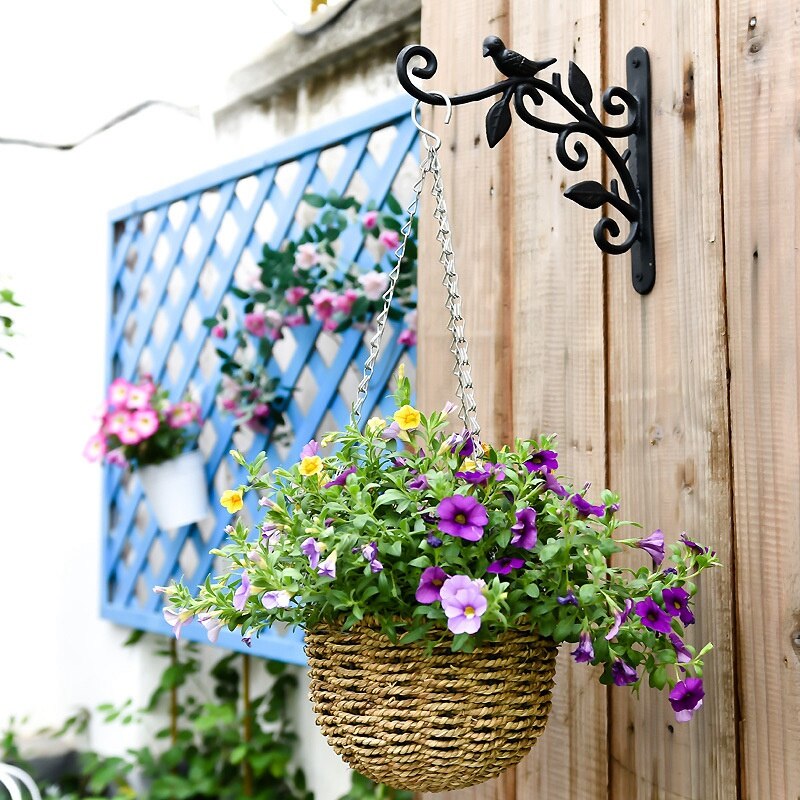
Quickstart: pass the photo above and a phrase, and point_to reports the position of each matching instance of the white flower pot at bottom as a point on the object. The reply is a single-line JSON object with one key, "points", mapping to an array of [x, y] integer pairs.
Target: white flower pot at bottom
{"points": [[177, 490]]}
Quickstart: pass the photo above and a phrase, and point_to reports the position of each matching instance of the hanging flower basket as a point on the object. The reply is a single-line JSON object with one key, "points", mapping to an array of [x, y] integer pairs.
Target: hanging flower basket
{"points": [[177, 490], [429, 723]]}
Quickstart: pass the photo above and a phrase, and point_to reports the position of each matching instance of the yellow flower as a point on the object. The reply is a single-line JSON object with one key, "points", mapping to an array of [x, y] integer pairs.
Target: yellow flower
{"points": [[407, 417], [310, 465], [467, 465], [232, 500], [375, 424]]}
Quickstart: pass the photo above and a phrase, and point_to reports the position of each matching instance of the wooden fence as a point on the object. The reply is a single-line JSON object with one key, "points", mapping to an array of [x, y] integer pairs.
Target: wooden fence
{"points": [[685, 400]]}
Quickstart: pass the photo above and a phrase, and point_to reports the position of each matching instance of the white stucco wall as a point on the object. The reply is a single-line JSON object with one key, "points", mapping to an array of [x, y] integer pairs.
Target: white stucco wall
{"points": [[69, 76]]}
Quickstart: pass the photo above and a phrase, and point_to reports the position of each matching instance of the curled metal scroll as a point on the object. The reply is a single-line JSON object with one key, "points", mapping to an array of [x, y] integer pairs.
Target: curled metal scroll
{"points": [[629, 193]]}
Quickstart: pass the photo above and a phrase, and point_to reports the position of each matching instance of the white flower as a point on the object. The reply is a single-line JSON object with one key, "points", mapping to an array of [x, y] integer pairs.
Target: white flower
{"points": [[374, 284], [248, 276], [306, 256]]}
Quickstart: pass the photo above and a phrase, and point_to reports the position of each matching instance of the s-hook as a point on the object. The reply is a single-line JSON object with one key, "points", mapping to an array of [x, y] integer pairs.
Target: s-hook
{"points": [[634, 198]]}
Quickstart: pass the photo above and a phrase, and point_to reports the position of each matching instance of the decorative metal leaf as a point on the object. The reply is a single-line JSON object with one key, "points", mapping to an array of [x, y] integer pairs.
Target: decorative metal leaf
{"points": [[498, 121], [589, 194], [579, 85]]}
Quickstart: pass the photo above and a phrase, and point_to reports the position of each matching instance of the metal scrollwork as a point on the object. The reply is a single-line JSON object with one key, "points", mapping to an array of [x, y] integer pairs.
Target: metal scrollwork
{"points": [[630, 193]]}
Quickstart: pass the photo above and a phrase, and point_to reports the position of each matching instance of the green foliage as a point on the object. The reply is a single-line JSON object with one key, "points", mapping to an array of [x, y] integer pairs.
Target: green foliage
{"points": [[216, 747], [6, 322]]}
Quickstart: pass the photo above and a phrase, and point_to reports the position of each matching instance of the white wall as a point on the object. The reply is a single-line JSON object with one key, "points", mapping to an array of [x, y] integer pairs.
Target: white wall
{"points": [[72, 69]]}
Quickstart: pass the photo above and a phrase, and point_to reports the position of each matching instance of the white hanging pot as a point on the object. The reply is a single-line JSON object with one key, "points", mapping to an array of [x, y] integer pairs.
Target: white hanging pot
{"points": [[177, 490]]}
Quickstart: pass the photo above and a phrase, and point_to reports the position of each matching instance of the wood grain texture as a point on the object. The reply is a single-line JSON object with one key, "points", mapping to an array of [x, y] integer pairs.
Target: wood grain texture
{"points": [[760, 59], [477, 200], [558, 379], [668, 418]]}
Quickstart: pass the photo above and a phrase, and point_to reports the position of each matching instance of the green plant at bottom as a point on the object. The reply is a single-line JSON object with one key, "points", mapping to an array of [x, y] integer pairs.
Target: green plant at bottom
{"points": [[222, 745]]}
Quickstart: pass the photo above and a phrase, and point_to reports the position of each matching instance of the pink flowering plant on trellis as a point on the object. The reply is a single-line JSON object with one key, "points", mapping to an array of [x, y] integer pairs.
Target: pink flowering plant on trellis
{"points": [[139, 426], [439, 537], [305, 281]]}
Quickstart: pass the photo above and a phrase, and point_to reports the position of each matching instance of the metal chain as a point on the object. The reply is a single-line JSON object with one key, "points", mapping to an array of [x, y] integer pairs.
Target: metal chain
{"points": [[388, 295], [462, 370]]}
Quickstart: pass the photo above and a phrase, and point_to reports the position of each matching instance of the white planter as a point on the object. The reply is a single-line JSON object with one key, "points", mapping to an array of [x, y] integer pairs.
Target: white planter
{"points": [[177, 490]]}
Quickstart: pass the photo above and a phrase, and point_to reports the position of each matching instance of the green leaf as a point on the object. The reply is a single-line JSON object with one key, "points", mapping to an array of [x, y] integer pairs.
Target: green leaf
{"points": [[314, 200]]}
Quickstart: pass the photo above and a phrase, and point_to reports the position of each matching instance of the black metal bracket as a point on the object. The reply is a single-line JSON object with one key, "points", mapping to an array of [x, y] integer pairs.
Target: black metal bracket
{"points": [[630, 193]]}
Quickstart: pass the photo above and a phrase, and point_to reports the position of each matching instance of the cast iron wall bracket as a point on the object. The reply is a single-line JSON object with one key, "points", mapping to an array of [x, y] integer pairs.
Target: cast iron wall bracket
{"points": [[630, 194]]}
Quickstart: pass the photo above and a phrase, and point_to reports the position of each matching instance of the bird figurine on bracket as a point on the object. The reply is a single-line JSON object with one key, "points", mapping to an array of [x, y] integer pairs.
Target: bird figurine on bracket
{"points": [[511, 63]]}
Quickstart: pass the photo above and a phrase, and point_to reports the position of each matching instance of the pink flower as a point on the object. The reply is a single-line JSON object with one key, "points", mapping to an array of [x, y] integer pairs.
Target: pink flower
{"points": [[261, 410], [95, 448], [344, 302], [145, 421], [408, 337], [295, 294], [306, 256], [256, 323], [370, 220], [118, 392], [139, 396], [129, 433], [389, 239], [294, 320], [274, 318], [117, 458], [410, 320], [464, 603], [374, 284], [228, 403], [323, 303], [219, 331], [330, 324], [116, 421], [183, 414]]}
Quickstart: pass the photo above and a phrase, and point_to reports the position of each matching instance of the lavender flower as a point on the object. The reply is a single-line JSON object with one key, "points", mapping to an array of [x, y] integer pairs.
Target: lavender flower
{"points": [[312, 548], [370, 552], [524, 529], [213, 625], [430, 584], [279, 598], [309, 450], [502, 566], [653, 545], [176, 618], [463, 603], [653, 616], [340, 479], [242, 593], [542, 461], [462, 516], [584, 652], [619, 618], [622, 673], [567, 599], [327, 569], [585, 507], [433, 540], [418, 483], [686, 698]]}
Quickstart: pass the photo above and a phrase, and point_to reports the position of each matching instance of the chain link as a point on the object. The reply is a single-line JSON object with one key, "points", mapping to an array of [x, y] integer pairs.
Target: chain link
{"points": [[462, 370]]}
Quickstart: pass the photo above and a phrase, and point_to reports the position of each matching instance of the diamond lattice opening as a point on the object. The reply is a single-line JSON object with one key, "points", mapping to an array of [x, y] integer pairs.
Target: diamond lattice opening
{"points": [[192, 243], [145, 293], [155, 556], [176, 213], [208, 279], [188, 559], [306, 390], [227, 233], [246, 190], [209, 201], [191, 322], [286, 175], [381, 142], [327, 345], [160, 253], [175, 362], [330, 160], [208, 360], [265, 223], [129, 331], [284, 350], [160, 326], [175, 287]]}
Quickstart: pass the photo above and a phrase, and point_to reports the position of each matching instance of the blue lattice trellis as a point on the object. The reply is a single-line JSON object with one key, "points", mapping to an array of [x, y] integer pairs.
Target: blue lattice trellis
{"points": [[173, 257]]}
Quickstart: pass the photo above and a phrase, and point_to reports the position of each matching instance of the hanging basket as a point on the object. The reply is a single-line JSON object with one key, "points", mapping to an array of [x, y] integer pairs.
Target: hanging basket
{"points": [[177, 490], [429, 723]]}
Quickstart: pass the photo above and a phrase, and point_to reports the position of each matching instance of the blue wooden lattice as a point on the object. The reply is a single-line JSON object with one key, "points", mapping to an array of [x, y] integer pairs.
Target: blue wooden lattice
{"points": [[173, 256]]}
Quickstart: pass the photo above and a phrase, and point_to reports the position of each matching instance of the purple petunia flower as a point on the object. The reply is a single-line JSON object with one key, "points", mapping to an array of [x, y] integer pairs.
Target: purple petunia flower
{"points": [[340, 479], [462, 443], [553, 485], [419, 483], [684, 656], [312, 548], [504, 565], [462, 516], [392, 431], [676, 601], [622, 673], [482, 474], [247, 640], [269, 536], [542, 461], [311, 449], [584, 652], [433, 540], [585, 507], [176, 618], [694, 546], [242, 593], [653, 545], [327, 569], [278, 598], [370, 552], [619, 618], [430, 584], [463, 603], [213, 625], [653, 616], [686, 698], [568, 599], [524, 529]]}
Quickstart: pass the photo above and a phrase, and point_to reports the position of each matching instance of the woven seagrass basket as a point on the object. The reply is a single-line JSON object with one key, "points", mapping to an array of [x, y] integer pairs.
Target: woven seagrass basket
{"points": [[429, 723]]}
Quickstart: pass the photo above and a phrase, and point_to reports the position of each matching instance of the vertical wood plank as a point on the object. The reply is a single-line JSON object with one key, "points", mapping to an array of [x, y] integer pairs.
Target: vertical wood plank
{"points": [[668, 418], [558, 379], [760, 58], [477, 199]]}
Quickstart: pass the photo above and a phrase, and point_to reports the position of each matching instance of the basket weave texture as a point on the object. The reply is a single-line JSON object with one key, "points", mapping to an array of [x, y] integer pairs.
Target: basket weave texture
{"points": [[429, 723]]}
